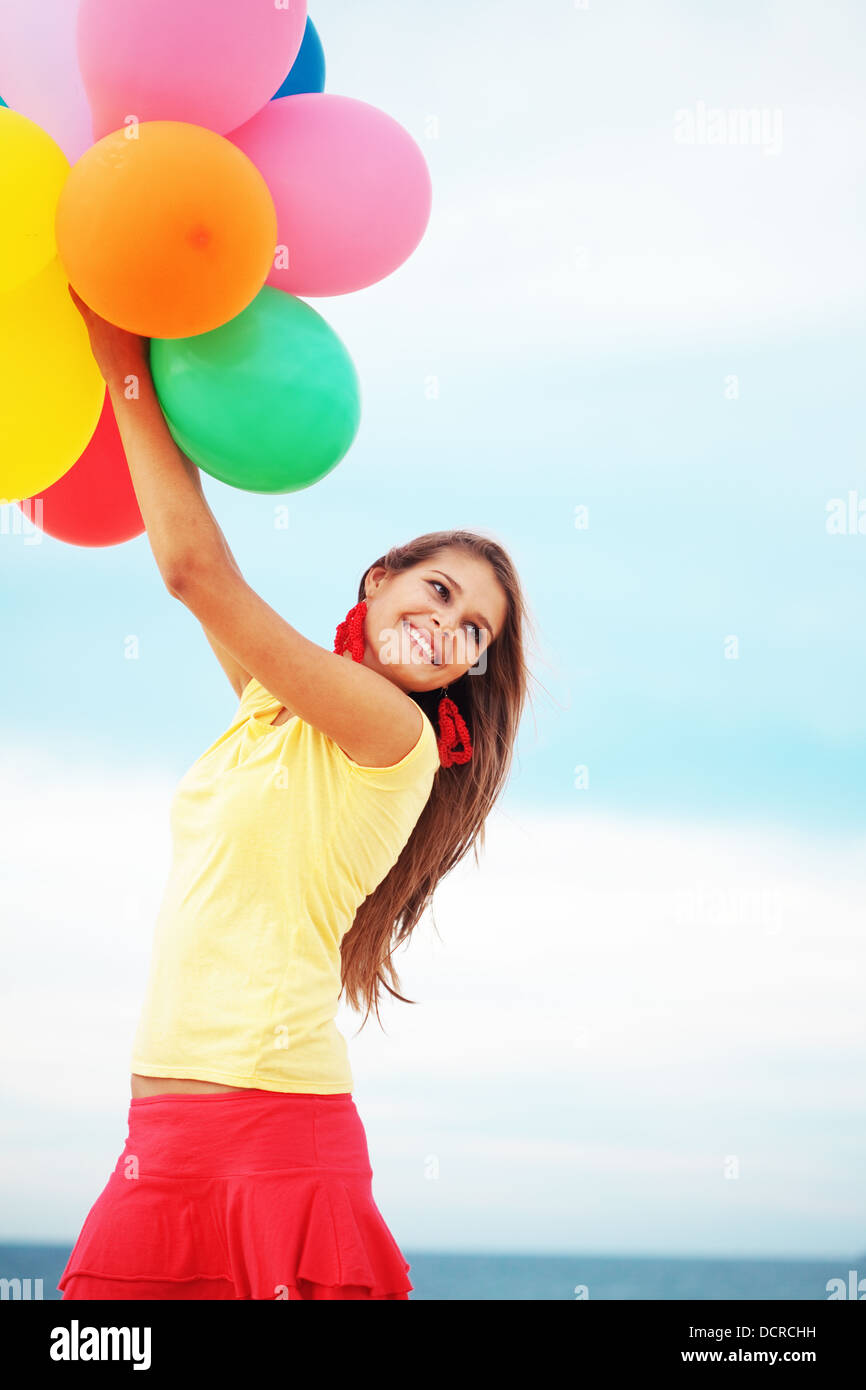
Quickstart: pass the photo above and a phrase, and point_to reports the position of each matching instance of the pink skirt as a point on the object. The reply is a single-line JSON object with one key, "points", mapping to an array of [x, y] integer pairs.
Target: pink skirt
{"points": [[253, 1194]]}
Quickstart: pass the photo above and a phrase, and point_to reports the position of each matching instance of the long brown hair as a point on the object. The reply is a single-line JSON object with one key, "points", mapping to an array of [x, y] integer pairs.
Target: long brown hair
{"points": [[452, 821]]}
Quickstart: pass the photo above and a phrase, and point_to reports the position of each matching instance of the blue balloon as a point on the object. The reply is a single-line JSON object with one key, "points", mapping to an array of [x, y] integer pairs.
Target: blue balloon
{"points": [[307, 73], [3, 103]]}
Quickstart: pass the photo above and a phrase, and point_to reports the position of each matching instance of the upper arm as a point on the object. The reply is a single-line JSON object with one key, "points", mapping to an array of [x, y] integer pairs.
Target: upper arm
{"points": [[238, 676], [366, 714]]}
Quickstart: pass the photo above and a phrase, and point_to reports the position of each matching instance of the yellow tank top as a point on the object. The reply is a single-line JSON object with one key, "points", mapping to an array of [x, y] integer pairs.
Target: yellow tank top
{"points": [[277, 839]]}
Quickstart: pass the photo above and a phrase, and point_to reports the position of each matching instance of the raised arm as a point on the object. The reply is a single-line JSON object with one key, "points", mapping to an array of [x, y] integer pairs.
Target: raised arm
{"points": [[371, 719]]}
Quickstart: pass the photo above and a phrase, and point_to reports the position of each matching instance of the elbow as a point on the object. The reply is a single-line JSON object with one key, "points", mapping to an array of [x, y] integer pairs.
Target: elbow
{"points": [[177, 578], [194, 578]]}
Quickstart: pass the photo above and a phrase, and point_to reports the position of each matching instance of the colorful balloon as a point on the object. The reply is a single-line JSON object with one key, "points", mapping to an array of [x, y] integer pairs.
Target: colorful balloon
{"points": [[350, 185], [166, 234], [33, 170], [94, 504], [211, 63], [268, 403], [39, 73], [51, 390], [307, 72]]}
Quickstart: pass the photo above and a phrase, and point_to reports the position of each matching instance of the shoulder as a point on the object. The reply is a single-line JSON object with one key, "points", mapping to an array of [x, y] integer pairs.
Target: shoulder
{"points": [[385, 732], [419, 763]]}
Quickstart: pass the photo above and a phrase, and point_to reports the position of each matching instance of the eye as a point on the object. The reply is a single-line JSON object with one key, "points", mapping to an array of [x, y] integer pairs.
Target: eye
{"points": [[437, 584]]}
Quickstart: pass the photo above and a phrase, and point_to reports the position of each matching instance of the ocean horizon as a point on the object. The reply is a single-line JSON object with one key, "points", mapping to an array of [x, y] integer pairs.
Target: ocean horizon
{"points": [[443, 1275]]}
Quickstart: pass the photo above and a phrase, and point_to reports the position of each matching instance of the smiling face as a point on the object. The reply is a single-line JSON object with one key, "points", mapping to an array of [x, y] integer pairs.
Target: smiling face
{"points": [[427, 625]]}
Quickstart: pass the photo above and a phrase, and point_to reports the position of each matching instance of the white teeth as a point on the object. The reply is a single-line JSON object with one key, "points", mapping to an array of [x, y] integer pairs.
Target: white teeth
{"points": [[422, 641]]}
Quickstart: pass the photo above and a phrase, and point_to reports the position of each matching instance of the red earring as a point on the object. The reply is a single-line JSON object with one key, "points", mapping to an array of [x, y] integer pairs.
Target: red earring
{"points": [[452, 726], [350, 632]]}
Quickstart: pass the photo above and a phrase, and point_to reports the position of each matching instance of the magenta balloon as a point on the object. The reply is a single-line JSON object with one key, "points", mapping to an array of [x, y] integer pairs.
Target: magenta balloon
{"points": [[351, 188], [207, 62], [39, 74]]}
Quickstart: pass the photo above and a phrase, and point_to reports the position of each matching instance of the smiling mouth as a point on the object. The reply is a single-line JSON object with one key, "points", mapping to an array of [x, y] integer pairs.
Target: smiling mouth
{"points": [[422, 642]]}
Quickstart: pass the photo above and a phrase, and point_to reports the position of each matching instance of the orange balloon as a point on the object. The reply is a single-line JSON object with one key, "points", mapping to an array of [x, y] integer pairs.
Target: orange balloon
{"points": [[166, 229]]}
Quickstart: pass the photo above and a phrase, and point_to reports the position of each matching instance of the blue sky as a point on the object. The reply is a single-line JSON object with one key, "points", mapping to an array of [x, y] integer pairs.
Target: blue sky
{"points": [[659, 971]]}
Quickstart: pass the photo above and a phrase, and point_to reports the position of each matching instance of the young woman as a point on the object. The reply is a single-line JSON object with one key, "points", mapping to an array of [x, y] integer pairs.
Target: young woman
{"points": [[307, 842]]}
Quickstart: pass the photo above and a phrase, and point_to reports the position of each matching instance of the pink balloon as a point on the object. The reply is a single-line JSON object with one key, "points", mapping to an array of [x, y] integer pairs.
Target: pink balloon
{"points": [[351, 188], [208, 62], [39, 73]]}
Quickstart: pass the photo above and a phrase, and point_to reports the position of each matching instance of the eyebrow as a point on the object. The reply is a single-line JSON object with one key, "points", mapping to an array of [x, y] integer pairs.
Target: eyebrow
{"points": [[459, 589]]}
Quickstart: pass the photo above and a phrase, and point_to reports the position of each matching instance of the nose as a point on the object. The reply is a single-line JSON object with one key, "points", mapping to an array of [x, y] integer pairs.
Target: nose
{"points": [[438, 626], [443, 639]]}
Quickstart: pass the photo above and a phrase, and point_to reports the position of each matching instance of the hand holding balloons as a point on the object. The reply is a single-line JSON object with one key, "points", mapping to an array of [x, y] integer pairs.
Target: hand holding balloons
{"points": [[219, 183], [117, 352]]}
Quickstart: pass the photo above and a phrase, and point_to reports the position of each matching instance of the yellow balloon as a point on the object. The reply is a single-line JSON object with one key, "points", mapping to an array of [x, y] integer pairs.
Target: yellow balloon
{"points": [[51, 390], [33, 170]]}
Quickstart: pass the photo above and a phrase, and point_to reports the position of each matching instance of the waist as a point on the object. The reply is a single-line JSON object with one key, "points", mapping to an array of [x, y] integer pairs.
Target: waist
{"points": [[210, 1134]]}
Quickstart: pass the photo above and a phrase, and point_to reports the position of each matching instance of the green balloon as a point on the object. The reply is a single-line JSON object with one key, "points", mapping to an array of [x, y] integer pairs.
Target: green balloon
{"points": [[268, 402]]}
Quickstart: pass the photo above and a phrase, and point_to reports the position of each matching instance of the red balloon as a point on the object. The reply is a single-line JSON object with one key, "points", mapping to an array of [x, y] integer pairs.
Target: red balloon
{"points": [[94, 503]]}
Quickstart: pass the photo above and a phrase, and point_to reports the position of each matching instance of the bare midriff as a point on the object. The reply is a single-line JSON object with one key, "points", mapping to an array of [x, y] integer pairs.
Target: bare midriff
{"points": [[162, 1085]]}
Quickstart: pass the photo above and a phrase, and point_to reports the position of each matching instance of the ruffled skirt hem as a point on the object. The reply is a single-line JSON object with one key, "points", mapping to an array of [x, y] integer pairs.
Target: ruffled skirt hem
{"points": [[292, 1234], [87, 1285]]}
